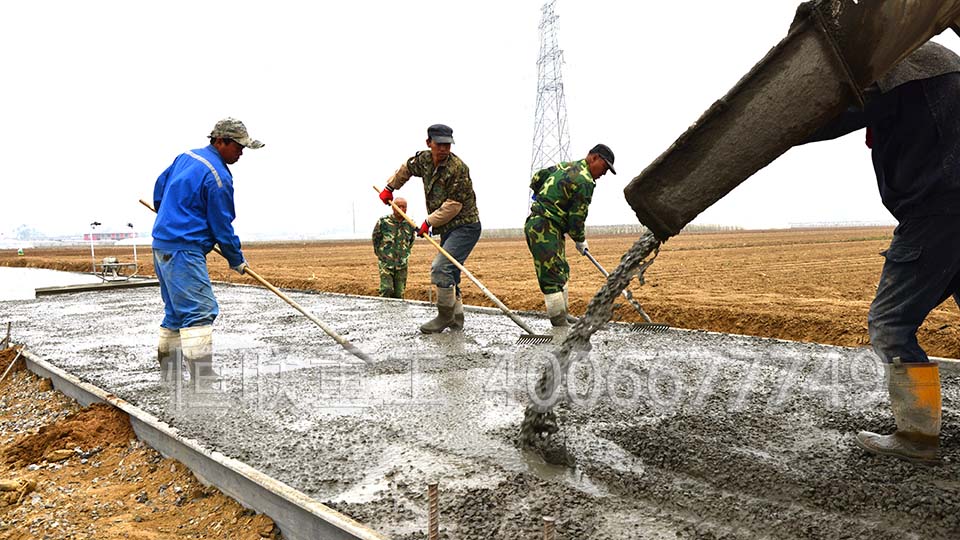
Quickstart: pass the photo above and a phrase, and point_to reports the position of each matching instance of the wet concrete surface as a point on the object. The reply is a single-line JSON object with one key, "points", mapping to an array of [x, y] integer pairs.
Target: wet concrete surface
{"points": [[680, 434]]}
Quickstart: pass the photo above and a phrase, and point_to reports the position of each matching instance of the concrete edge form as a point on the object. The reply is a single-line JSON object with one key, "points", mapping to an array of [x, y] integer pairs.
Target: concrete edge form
{"points": [[106, 285], [298, 516]]}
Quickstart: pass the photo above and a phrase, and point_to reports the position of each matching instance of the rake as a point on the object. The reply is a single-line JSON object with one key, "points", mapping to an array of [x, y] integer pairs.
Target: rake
{"points": [[347, 346], [648, 325], [530, 337]]}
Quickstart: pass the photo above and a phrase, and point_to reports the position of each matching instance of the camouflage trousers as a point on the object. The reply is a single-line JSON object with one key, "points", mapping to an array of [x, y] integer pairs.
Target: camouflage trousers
{"points": [[547, 245], [393, 281]]}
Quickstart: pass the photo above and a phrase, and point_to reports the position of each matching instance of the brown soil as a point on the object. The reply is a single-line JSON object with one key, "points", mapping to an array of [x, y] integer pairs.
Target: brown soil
{"points": [[807, 285], [79, 473]]}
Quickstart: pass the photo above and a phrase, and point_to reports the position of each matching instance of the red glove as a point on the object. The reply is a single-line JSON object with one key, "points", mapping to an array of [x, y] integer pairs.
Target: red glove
{"points": [[424, 229], [386, 195], [869, 139]]}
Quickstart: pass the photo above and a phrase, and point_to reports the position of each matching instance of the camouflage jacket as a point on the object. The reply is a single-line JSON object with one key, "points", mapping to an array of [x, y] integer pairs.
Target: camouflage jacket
{"points": [[449, 181], [392, 241], [563, 194]]}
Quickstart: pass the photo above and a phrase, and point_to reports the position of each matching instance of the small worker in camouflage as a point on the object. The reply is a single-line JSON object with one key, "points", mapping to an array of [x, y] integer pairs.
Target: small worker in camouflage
{"points": [[562, 196], [452, 204], [392, 242]]}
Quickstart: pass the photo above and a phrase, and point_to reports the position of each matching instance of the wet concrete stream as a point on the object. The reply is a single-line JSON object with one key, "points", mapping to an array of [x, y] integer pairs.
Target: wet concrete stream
{"points": [[683, 434]]}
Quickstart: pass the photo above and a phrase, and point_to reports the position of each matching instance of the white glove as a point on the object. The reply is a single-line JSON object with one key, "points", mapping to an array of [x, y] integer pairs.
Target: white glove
{"points": [[582, 247], [240, 268]]}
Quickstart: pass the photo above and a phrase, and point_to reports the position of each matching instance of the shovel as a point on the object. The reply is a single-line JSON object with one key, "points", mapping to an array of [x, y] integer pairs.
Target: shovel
{"points": [[349, 347], [648, 325], [529, 337]]}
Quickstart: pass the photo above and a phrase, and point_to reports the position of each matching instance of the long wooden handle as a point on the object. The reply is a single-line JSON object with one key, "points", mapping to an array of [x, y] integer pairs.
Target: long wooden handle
{"points": [[350, 347], [513, 316], [626, 293]]}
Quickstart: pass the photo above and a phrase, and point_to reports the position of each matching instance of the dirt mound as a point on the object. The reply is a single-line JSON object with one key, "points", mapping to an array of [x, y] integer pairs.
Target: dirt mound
{"points": [[97, 426], [116, 487], [7, 356]]}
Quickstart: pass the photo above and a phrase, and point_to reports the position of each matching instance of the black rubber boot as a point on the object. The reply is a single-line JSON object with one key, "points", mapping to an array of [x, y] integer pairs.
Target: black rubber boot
{"points": [[916, 402], [446, 299]]}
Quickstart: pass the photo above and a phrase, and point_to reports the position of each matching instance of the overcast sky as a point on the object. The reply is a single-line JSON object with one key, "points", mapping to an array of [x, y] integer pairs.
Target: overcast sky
{"points": [[100, 96]]}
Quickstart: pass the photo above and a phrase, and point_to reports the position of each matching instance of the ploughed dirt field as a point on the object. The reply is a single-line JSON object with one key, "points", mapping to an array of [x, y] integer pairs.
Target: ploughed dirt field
{"points": [[798, 284]]}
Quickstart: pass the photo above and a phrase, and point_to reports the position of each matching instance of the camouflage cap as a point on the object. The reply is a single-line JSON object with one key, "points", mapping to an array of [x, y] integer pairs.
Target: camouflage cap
{"points": [[231, 128], [440, 134]]}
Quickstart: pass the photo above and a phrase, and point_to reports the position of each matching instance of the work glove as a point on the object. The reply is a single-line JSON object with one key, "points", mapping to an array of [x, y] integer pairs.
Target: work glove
{"points": [[240, 268], [424, 229], [386, 195], [582, 247]]}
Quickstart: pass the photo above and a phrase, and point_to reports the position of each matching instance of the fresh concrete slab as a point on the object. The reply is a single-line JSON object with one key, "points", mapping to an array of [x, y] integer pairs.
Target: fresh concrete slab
{"points": [[681, 434]]}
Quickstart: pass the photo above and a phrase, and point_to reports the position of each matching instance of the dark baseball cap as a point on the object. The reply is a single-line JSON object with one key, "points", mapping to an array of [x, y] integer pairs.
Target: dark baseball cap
{"points": [[440, 133], [606, 154]]}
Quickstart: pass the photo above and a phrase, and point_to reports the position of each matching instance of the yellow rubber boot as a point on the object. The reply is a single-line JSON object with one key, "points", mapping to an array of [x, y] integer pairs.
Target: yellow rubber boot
{"points": [[916, 403]]}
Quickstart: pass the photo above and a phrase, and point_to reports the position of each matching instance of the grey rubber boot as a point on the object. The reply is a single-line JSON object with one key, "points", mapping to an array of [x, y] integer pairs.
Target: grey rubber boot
{"points": [[556, 309], [457, 314], [566, 307], [197, 346], [446, 299], [916, 402], [168, 354]]}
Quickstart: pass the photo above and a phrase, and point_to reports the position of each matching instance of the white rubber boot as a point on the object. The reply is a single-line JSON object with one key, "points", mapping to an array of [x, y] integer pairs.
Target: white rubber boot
{"points": [[168, 354], [566, 307], [556, 309], [197, 345]]}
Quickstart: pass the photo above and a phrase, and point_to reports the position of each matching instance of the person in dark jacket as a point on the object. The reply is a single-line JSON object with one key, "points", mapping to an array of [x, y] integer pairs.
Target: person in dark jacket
{"points": [[912, 121], [194, 203]]}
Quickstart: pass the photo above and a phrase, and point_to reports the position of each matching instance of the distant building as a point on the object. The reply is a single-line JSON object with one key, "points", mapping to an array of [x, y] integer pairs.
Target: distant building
{"points": [[98, 236]]}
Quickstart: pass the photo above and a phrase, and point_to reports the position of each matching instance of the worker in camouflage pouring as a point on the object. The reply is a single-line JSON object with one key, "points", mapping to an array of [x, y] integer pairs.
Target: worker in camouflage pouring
{"points": [[392, 242], [912, 121], [194, 203], [562, 196], [452, 205]]}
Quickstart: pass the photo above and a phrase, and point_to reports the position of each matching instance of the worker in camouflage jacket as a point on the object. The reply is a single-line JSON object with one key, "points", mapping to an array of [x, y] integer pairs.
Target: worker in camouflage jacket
{"points": [[561, 199], [392, 242], [452, 205]]}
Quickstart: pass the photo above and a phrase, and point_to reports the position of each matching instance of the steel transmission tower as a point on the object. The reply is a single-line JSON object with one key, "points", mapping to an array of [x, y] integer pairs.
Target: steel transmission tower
{"points": [[551, 138]]}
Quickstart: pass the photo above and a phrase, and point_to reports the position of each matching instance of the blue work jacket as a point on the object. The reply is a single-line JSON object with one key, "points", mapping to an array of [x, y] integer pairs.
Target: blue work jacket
{"points": [[194, 202]]}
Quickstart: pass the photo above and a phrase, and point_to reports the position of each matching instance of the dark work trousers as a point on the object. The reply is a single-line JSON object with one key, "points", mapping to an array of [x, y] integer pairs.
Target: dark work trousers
{"points": [[922, 269], [458, 243]]}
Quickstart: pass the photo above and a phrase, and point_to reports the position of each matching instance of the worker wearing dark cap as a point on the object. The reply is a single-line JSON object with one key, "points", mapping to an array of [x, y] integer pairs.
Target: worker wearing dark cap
{"points": [[562, 196], [452, 205]]}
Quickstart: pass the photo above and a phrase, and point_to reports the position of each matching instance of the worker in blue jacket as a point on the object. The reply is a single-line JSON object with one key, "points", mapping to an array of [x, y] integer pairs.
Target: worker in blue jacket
{"points": [[194, 203], [912, 121]]}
